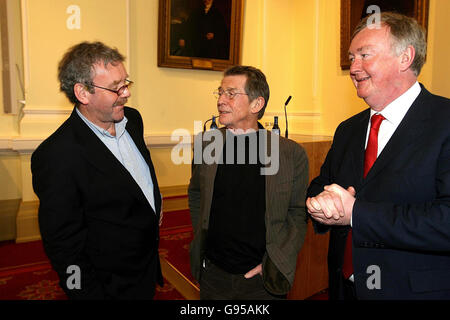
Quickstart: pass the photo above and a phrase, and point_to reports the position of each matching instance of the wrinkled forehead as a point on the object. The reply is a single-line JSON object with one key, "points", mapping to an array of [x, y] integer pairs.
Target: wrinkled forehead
{"points": [[234, 82], [371, 37], [114, 70]]}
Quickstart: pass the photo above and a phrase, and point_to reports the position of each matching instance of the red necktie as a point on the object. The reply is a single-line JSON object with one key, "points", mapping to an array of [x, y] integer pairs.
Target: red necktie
{"points": [[369, 158]]}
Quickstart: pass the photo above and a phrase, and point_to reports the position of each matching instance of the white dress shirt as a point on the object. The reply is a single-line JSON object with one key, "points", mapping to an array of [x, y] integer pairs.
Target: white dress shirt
{"points": [[124, 149], [394, 113]]}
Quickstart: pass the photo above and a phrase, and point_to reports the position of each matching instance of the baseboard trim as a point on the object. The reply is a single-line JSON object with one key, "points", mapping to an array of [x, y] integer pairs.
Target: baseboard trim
{"points": [[175, 198], [174, 191], [175, 203]]}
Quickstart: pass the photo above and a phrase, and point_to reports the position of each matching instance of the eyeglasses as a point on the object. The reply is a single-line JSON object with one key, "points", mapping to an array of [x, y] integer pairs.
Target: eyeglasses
{"points": [[230, 94], [119, 91]]}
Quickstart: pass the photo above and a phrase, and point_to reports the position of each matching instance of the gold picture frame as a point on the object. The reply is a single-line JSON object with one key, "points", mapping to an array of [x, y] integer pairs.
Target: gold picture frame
{"points": [[191, 36], [352, 11]]}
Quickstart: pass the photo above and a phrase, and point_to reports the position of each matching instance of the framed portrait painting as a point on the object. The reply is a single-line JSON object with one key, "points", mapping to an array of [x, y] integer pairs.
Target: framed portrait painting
{"points": [[352, 11], [199, 34]]}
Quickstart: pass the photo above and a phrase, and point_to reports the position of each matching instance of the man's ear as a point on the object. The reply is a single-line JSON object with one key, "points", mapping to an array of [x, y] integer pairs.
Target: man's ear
{"points": [[407, 58], [257, 104], [81, 92]]}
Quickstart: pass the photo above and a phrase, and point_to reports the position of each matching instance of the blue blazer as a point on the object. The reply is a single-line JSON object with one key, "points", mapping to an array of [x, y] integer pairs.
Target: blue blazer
{"points": [[401, 217], [94, 215]]}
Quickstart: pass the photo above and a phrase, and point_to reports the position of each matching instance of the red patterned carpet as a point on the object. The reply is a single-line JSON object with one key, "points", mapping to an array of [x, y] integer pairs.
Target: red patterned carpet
{"points": [[26, 274], [175, 236]]}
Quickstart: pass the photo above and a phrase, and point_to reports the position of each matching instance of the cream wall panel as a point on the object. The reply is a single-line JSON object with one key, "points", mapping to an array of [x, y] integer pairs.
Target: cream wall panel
{"points": [[9, 123], [10, 176], [279, 38], [48, 38], [27, 187], [279, 51], [168, 173], [337, 96], [254, 33], [8, 210]]}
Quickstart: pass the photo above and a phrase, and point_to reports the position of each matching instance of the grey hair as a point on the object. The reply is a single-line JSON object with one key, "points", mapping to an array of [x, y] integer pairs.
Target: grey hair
{"points": [[405, 31], [77, 65], [255, 86]]}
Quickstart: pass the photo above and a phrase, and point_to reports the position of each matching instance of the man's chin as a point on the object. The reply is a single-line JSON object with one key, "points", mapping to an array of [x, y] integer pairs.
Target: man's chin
{"points": [[118, 119], [362, 93], [119, 113], [222, 122]]}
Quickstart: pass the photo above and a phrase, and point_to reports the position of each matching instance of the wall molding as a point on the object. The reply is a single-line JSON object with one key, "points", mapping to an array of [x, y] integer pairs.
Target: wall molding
{"points": [[293, 114], [21, 145], [49, 110], [29, 144]]}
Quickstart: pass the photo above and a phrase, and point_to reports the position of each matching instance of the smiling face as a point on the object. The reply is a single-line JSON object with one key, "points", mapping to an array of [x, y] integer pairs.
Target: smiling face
{"points": [[376, 71], [238, 112], [104, 107]]}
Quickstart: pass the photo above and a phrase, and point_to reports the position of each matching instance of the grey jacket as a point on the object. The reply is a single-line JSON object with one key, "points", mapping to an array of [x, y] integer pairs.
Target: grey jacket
{"points": [[285, 216]]}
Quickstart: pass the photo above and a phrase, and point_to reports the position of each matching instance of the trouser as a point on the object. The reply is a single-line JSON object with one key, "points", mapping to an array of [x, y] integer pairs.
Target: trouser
{"points": [[217, 284]]}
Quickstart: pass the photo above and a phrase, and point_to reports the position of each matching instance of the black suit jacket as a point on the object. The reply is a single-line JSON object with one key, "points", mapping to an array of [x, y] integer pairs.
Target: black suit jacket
{"points": [[401, 217], [93, 214]]}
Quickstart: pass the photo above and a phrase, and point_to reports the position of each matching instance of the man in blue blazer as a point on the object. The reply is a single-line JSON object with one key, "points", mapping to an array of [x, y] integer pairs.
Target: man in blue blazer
{"points": [[100, 204], [398, 203]]}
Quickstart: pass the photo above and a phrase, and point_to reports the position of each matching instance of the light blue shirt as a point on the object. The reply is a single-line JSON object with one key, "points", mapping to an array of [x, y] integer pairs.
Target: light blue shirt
{"points": [[124, 149]]}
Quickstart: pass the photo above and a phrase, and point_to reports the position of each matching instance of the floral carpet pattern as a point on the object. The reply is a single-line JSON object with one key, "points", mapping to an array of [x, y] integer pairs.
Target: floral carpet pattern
{"points": [[26, 273]]}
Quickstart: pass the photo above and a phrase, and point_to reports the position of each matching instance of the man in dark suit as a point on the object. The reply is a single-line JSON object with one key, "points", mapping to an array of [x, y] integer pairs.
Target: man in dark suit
{"points": [[387, 174], [249, 216], [99, 211], [207, 33]]}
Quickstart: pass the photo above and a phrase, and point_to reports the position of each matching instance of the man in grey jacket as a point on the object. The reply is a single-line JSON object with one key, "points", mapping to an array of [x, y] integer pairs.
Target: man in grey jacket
{"points": [[246, 197]]}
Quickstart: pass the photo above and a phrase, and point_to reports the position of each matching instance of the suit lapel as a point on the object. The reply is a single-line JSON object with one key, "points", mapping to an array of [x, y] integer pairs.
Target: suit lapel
{"points": [[208, 181], [96, 153], [357, 147], [404, 137], [142, 147]]}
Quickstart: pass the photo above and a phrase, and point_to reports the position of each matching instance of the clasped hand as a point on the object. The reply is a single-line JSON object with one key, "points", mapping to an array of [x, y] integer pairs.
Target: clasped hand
{"points": [[333, 206]]}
